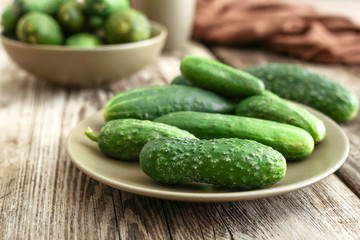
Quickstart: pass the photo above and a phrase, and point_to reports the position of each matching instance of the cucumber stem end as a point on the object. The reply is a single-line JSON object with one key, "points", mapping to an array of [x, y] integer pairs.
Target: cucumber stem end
{"points": [[90, 134]]}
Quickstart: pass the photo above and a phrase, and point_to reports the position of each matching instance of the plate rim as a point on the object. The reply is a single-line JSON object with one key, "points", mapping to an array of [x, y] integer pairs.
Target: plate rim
{"points": [[209, 196]]}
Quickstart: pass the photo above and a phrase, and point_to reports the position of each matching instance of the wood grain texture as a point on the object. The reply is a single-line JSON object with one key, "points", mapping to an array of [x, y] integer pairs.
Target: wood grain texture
{"points": [[44, 196]]}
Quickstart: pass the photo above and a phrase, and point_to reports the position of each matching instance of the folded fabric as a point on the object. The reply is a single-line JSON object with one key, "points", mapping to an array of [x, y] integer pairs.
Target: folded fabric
{"points": [[293, 29]]}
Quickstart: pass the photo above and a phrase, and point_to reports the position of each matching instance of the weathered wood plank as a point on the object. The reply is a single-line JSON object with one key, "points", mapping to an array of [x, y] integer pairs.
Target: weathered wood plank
{"points": [[316, 212], [44, 196], [346, 75], [140, 217], [281, 215], [39, 178]]}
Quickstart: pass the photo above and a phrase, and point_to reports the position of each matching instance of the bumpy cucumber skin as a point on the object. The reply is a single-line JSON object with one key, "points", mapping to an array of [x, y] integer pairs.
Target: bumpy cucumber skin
{"points": [[293, 142], [151, 102], [307, 87], [39, 28], [283, 111], [181, 80], [236, 163], [218, 77], [124, 138]]}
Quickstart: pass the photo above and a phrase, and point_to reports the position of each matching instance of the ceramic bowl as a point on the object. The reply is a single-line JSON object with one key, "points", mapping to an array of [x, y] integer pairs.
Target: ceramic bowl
{"points": [[78, 67]]}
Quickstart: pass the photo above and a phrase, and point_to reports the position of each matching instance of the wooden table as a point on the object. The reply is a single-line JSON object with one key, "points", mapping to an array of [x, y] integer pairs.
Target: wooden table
{"points": [[44, 196]]}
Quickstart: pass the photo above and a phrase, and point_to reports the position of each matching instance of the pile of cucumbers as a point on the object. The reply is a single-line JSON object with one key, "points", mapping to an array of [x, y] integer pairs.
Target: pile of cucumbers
{"points": [[219, 125], [84, 24]]}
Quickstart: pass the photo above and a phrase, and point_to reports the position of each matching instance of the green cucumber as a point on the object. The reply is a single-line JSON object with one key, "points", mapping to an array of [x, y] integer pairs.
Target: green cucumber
{"points": [[46, 6], [9, 19], [293, 142], [83, 40], [181, 80], [152, 102], [302, 85], [105, 8], [224, 162], [220, 78], [269, 94], [127, 26], [124, 138], [39, 28], [283, 111], [71, 17], [94, 23]]}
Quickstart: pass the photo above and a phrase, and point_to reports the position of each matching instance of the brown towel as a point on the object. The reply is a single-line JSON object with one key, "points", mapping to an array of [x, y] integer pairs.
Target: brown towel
{"points": [[297, 30]]}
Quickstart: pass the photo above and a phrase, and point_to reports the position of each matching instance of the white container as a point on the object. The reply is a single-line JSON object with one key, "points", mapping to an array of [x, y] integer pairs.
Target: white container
{"points": [[176, 15]]}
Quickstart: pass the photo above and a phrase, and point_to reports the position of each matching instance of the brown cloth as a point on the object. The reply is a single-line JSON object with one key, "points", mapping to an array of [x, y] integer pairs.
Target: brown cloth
{"points": [[297, 30]]}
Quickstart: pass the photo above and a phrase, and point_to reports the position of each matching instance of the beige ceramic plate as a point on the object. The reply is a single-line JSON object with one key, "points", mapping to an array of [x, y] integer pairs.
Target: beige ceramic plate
{"points": [[328, 156]]}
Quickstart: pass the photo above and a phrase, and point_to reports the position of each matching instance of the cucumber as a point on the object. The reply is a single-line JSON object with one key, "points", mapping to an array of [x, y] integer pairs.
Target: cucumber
{"points": [[39, 28], [127, 26], [9, 19], [71, 17], [94, 23], [151, 102], [46, 6], [105, 8], [225, 162], [307, 87], [124, 138], [83, 40], [283, 111], [269, 94], [293, 142], [220, 78], [181, 80]]}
